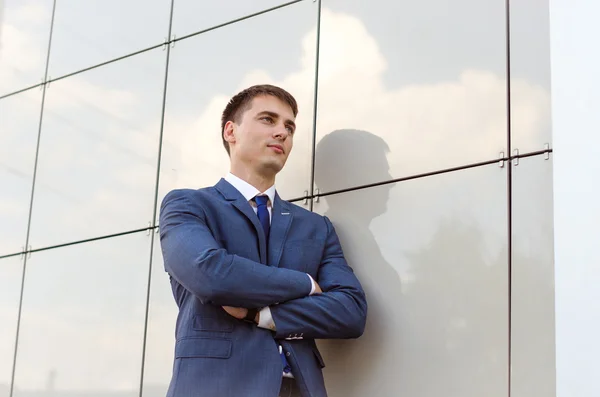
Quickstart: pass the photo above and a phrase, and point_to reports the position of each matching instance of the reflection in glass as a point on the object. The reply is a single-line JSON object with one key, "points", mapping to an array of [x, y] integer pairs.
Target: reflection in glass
{"points": [[530, 75], [431, 254], [206, 70], [191, 16], [160, 338], [24, 36], [98, 151], [82, 321], [87, 33], [19, 124], [532, 310], [10, 288], [417, 75]]}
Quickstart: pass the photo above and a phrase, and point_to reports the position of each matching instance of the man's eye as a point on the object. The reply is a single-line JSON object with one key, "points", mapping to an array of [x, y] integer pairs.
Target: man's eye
{"points": [[269, 119], [290, 129]]}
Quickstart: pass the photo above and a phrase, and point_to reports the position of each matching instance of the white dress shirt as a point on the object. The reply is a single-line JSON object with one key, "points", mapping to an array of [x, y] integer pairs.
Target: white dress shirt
{"points": [[249, 192]]}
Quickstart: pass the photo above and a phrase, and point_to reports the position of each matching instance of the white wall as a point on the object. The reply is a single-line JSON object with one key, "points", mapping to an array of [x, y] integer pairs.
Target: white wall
{"points": [[575, 63]]}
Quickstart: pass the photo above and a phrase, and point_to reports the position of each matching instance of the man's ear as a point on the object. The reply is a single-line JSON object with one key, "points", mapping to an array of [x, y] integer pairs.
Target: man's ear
{"points": [[229, 131]]}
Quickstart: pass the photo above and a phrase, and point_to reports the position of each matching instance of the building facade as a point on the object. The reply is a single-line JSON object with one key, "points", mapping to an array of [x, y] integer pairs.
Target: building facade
{"points": [[424, 134]]}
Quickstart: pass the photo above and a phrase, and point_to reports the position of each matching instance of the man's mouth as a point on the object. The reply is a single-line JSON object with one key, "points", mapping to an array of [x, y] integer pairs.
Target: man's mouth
{"points": [[277, 148]]}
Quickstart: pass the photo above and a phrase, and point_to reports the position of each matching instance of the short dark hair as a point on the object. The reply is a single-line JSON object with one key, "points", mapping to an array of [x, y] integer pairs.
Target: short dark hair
{"points": [[241, 102]]}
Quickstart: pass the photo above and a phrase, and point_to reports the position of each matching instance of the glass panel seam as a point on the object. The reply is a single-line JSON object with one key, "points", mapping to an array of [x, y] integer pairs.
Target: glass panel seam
{"points": [[509, 189], [187, 36], [311, 184], [90, 239], [155, 203], [21, 90], [169, 41], [35, 163], [411, 177], [105, 63]]}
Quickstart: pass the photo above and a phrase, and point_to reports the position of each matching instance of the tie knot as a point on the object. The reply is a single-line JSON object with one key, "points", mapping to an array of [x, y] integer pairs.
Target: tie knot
{"points": [[261, 200]]}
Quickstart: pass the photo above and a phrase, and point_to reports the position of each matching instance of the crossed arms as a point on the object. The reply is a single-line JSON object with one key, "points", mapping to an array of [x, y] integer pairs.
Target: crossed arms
{"points": [[194, 259]]}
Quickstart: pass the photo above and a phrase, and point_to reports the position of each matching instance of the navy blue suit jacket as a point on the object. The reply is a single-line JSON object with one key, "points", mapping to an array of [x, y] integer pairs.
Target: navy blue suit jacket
{"points": [[216, 254]]}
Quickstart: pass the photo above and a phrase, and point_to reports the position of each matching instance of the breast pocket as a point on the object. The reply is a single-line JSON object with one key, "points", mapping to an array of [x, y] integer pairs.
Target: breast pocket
{"points": [[302, 255]]}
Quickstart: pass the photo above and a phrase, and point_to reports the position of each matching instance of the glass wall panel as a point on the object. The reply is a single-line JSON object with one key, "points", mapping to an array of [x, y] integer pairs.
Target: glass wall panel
{"points": [[190, 16], [24, 36], [98, 151], [432, 256], [160, 339], [90, 32], [429, 77], [19, 125], [82, 321], [10, 289], [530, 75], [206, 70], [532, 310]]}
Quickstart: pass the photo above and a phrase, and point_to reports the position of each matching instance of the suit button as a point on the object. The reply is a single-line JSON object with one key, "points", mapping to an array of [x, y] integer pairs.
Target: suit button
{"points": [[287, 354]]}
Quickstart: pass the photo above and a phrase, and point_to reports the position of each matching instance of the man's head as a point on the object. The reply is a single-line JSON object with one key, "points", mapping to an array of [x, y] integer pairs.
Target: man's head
{"points": [[257, 127]]}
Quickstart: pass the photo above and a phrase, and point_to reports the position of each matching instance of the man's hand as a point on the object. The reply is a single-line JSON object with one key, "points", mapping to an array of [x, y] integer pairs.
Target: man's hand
{"points": [[318, 289], [315, 285], [239, 313]]}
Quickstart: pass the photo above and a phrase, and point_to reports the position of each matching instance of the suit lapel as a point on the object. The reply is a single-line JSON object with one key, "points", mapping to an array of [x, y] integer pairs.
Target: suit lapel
{"points": [[235, 197], [281, 221]]}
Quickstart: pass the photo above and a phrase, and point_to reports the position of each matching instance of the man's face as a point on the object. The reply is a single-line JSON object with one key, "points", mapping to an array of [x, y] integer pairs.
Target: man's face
{"points": [[263, 139]]}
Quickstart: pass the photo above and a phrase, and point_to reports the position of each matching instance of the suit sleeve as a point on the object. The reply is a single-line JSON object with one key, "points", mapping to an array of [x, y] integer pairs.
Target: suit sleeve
{"points": [[340, 312], [194, 259]]}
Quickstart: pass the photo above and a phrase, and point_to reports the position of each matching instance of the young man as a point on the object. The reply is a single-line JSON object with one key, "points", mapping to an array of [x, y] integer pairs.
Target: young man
{"points": [[256, 279]]}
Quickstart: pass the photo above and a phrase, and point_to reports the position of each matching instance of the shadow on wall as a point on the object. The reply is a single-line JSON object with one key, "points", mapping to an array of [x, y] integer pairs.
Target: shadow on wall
{"points": [[443, 328], [347, 158]]}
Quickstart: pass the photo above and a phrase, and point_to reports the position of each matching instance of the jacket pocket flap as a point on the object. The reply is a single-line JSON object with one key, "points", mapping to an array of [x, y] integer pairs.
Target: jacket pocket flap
{"points": [[203, 347]]}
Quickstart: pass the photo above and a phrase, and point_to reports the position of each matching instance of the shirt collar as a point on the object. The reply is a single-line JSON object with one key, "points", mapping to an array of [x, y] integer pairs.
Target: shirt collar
{"points": [[247, 190]]}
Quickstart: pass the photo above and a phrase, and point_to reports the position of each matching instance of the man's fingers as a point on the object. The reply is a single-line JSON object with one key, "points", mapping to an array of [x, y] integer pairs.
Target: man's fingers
{"points": [[237, 312], [318, 289]]}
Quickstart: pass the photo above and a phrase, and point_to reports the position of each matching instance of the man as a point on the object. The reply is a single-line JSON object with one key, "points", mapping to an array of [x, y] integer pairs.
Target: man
{"points": [[256, 279]]}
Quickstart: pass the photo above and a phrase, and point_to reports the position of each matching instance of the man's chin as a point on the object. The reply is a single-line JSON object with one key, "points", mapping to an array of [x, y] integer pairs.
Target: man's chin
{"points": [[273, 167]]}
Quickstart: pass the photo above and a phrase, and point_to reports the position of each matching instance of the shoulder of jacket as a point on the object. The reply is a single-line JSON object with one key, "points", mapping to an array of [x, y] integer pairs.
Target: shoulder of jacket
{"points": [[193, 195]]}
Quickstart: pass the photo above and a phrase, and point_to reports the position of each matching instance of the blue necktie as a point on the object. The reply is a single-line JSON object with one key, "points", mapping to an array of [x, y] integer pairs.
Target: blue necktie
{"points": [[263, 216]]}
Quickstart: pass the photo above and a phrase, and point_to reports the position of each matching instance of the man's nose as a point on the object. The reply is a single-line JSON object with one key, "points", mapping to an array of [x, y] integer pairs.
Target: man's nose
{"points": [[281, 133]]}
